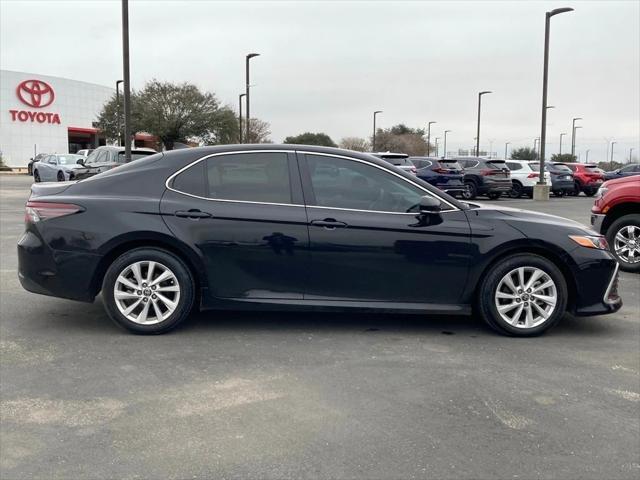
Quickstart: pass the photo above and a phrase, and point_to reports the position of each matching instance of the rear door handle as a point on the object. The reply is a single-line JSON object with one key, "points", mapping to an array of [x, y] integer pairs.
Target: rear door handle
{"points": [[328, 223], [195, 214]]}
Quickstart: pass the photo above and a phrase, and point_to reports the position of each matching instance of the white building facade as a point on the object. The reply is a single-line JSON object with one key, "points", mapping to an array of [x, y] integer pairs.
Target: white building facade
{"points": [[44, 114]]}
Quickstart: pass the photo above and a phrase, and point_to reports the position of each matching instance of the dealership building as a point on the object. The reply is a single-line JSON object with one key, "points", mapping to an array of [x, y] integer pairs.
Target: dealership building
{"points": [[43, 114]]}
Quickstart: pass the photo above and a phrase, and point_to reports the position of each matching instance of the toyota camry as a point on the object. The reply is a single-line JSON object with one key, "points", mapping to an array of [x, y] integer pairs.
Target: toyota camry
{"points": [[299, 227]]}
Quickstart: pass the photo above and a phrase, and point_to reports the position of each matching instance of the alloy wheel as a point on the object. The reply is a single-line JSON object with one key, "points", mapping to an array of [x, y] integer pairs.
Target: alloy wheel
{"points": [[526, 297], [626, 244], [146, 292]]}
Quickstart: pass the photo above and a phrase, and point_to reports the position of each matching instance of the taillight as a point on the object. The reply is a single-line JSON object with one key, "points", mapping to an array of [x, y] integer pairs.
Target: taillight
{"points": [[533, 175], [414, 170], [488, 173], [39, 211]]}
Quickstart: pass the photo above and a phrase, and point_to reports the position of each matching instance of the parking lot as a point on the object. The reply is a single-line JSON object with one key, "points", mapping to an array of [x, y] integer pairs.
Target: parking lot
{"points": [[299, 395]]}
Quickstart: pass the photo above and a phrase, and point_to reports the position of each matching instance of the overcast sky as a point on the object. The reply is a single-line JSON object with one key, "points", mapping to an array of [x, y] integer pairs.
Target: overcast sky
{"points": [[325, 66]]}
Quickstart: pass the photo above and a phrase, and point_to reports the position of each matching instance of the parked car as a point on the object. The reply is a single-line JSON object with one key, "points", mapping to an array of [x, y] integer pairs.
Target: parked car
{"points": [[524, 175], [33, 160], [616, 214], [485, 177], [587, 178], [58, 167], [269, 226], [445, 174], [107, 157], [400, 160], [626, 171], [562, 182], [84, 152]]}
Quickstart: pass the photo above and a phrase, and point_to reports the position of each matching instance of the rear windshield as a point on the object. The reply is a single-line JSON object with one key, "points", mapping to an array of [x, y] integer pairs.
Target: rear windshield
{"points": [[557, 166], [399, 161], [497, 164], [134, 156], [592, 168]]}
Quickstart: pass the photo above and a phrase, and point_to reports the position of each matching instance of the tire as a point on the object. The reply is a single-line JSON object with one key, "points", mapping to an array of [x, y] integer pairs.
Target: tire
{"points": [[559, 193], [60, 177], [36, 176], [160, 316], [494, 195], [494, 281], [590, 192], [516, 190], [576, 189], [620, 226], [30, 169], [471, 191]]}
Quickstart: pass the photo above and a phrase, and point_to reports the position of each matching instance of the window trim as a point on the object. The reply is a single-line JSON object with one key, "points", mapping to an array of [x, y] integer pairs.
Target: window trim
{"points": [[168, 181], [303, 152]]}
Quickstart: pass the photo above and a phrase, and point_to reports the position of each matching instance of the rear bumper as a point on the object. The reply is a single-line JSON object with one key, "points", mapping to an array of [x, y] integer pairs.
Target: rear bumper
{"points": [[53, 272], [562, 186]]}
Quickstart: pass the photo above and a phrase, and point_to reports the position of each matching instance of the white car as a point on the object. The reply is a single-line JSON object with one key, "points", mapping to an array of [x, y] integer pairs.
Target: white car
{"points": [[524, 175], [85, 152]]}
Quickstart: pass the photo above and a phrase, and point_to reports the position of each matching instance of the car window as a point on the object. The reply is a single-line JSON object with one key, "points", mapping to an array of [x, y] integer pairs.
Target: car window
{"points": [[51, 159], [68, 159], [470, 163], [628, 169], [192, 180], [134, 156], [450, 164], [342, 183], [92, 157], [252, 177], [514, 166], [496, 164], [420, 163]]}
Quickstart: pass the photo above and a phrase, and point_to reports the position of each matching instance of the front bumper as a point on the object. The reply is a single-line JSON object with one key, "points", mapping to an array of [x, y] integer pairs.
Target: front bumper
{"points": [[57, 273], [597, 219], [596, 276]]}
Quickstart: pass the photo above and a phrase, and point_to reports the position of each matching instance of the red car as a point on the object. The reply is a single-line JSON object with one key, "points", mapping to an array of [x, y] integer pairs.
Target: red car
{"points": [[587, 178], [616, 214]]}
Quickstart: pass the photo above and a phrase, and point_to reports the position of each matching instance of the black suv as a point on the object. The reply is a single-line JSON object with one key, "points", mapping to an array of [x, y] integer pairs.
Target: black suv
{"points": [[485, 177]]}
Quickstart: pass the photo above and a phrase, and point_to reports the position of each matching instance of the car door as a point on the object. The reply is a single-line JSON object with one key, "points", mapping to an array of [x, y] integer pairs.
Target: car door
{"points": [[48, 168], [368, 243], [243, 213]]}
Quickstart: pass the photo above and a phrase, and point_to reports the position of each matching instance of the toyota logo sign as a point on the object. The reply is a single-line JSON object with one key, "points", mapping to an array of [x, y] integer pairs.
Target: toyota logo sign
{"points": [[35, 93]]}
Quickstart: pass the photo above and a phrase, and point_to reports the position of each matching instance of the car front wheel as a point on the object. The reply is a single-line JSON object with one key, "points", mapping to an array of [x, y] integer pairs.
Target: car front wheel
{"points": [[624, 240], [523, 295], [148, 291], [470, 191]]}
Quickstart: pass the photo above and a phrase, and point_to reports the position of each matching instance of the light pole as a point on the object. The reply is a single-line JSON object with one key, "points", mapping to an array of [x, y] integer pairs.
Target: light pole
{"points": [[373, 139], [573, 135], [506, 145], [535, 147], [247, 137], [240, 115], [480, 94], [561, 135], [444, 147], [126, 81], [429, 137], [611, 161], [437, 147], [118, 122], [543, 190], [586, 156], [630, 153]]}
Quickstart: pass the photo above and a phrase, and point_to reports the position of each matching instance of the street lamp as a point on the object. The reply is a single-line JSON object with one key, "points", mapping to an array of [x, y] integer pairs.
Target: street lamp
{"points": [[126, 81], [586, 156], [118, 123], [561, 135], [444, 148], [630, 153], [545, 80], [611, 161], [373, 139], [247, 58], [480, 94], [240, 116], [573, 135], [429, 137], [535, 147], [506, 145], [437, 147]]}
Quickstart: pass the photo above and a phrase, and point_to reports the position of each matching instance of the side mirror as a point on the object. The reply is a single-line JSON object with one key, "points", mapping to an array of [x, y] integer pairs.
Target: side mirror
{"points": [[429, 205], [80, 161]]}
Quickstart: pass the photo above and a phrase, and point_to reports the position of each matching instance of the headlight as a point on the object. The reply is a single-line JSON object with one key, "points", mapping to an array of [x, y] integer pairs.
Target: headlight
{"points": [[601, 191], [588, 241]]}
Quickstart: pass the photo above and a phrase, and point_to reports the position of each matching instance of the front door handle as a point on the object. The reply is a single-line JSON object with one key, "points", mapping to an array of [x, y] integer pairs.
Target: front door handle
{"points": [[193, 213], [328, 223]]}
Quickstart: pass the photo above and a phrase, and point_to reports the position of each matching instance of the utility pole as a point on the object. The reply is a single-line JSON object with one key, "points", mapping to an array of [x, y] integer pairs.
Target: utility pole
{"points": [[247, 58], [240, 115], [429, 137], [127, 80], [373, 139], [573, 135], [506, 145]]}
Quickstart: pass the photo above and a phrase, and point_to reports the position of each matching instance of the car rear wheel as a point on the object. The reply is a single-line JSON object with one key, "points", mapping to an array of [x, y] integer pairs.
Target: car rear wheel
{"points": [[60, 177], [523, 295], [36, 176], [624, 240], [470, 191], [559, 193], [590, 192], [148, 291], [516, 190]]}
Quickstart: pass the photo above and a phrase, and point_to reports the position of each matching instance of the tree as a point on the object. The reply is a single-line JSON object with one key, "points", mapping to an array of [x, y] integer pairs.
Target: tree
{"points": [[524, 153], [308, 138], [565, 157], [259, 131], [402, 139], [356, 144], [174, 112]]}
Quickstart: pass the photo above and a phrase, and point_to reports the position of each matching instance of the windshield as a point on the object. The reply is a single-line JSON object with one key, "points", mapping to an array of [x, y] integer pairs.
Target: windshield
{"points": [[68, 159]]}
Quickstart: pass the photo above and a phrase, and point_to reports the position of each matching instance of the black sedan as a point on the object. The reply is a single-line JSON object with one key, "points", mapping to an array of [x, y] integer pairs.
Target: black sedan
{"points": [[445, 174], [286, 226]]}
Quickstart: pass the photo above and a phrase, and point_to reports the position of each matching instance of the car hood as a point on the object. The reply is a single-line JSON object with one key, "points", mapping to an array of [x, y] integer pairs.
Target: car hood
{"points": [[629, 179]]}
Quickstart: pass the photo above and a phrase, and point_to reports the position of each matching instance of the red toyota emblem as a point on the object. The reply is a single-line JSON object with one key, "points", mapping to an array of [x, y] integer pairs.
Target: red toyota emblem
{"points": [[35, 93]]}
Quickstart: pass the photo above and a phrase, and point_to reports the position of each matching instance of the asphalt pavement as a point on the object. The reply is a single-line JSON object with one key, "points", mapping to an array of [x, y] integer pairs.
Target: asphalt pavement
{"points": [[297, 395]]}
